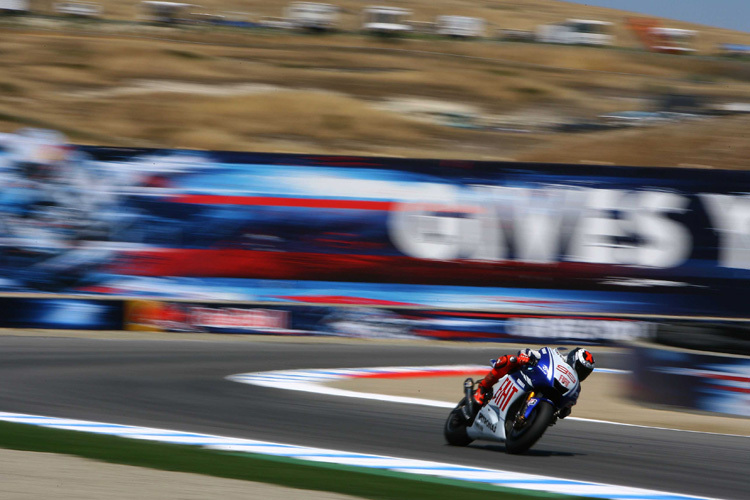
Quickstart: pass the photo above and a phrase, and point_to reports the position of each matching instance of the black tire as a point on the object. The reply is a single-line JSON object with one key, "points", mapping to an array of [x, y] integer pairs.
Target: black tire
{"points": [[520, 440], [455, 427]]}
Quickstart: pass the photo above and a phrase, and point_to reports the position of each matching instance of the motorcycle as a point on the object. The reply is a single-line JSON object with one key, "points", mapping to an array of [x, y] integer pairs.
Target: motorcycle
{"points": [[521, 406]]}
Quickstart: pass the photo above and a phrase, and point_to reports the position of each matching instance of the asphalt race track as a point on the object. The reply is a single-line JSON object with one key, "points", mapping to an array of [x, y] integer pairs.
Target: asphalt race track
{"points": [[180, 385]]}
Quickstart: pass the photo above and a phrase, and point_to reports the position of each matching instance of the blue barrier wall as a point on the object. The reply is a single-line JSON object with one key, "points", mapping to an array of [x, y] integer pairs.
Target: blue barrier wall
{"points": [[701, 381], [61, 313], [489, 236]]}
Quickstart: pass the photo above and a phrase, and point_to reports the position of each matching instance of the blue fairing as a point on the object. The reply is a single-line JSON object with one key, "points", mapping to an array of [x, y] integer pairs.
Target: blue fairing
{"points": [[540, 377]]}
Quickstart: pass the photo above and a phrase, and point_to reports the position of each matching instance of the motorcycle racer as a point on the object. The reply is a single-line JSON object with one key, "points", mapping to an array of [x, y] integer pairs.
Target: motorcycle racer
{"points": [[579, 358]]}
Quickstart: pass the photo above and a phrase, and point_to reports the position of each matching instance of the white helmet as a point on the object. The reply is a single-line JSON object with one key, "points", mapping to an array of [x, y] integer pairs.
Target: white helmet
{"points": [[582, 361]]}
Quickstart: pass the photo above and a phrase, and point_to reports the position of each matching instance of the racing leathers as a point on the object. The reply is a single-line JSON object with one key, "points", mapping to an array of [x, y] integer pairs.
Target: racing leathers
{"points": [[501, 367]]}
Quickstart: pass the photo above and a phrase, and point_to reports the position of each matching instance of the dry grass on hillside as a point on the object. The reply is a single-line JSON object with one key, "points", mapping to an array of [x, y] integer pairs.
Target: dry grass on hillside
{"points": [[329, 94], [718, 142], [323, 118]]}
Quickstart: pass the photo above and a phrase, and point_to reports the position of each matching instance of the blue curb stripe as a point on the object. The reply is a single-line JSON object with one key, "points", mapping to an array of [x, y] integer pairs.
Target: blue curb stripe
{"points": [[423, 467], [415, 466], [539, 481], [501, 482], [255, 445], [642, 497], [85, 426]]}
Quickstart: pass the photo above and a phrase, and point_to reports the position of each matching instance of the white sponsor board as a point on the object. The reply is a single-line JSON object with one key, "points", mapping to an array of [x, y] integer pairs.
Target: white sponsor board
{"points": [[580, 329]]}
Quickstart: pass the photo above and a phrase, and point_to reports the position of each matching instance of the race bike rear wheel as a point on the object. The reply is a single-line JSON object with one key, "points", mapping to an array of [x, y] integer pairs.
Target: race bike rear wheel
{"points": [[455, 427], [521, 435]]}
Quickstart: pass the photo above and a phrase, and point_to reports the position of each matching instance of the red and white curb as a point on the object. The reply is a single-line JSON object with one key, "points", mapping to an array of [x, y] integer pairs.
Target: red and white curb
{"points": [[314, 380], [528, 482]]}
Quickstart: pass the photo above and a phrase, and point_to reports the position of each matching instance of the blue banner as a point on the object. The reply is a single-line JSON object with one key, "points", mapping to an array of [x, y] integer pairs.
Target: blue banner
{"points": [[61, 313], [701, 381], [375, 231]]}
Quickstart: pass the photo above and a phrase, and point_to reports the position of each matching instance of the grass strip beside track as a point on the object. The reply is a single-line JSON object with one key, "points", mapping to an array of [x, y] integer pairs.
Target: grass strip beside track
{"points": [[290, 472]]}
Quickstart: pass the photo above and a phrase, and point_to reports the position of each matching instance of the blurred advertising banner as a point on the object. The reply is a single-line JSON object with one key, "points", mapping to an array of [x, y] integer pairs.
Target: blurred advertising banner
{"points": [[430, 233], [60, 313], [377, 323], [152, 315], [701, 381]]}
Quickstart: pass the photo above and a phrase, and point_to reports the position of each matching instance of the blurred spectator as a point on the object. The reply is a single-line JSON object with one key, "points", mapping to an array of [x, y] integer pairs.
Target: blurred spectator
{"points": [[51, 203]]}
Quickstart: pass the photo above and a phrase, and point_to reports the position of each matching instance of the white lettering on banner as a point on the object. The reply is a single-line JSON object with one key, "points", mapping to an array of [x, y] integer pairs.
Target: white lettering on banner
{"points": [[547, 225], [730, 215], [594, 238], [431, 230], [662, 241], [667, 243], [231, 317], [579, 329], [538, 218]]}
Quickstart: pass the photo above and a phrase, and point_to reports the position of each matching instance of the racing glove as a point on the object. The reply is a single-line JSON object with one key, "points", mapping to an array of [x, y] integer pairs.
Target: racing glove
{"points": [[526, 356]]}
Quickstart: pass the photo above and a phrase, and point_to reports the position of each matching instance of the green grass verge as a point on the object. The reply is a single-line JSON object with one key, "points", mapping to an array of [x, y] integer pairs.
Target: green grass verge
{"points": [[355, 481]]}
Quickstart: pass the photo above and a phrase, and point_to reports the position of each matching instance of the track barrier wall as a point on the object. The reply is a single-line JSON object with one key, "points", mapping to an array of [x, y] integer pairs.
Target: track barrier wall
{"points": [[690, 379], [447, 249], [253, 227], [379, 322]]}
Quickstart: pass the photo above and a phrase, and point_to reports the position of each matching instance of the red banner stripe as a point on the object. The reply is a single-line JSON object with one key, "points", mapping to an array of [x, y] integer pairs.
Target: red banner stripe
{"points": [[342, 299], [732, 378], [742, 390], [453, 334], [274, 201], [504, 315]]}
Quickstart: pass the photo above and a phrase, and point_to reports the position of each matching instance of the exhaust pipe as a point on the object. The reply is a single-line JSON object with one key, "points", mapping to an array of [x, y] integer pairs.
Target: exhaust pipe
{"points": [[468, 409]]}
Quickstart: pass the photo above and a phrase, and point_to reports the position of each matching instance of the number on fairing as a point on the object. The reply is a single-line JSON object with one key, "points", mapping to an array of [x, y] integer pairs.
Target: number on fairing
{"points": [[568, 379]]}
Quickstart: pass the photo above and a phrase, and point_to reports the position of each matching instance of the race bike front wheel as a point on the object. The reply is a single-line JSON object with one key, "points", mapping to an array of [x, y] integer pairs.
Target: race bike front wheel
{"points": [[455, 427], [521, 434]]}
